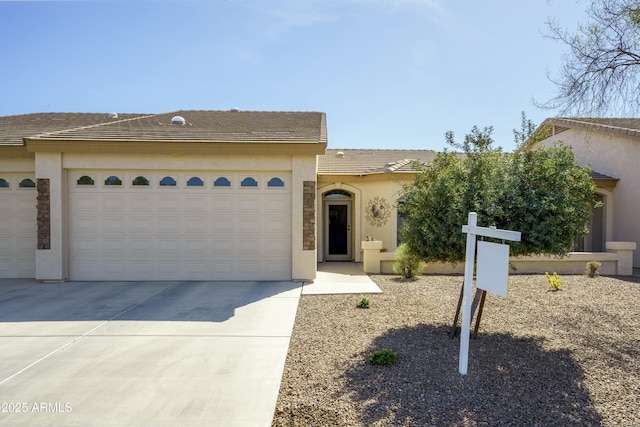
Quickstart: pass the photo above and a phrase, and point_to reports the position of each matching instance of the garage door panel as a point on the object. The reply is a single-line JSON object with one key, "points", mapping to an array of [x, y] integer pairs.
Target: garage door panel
{"points": [[168, 246], [195, 246], [277, 203], [88, 243], [109, 200], [222, 246], [192, 203], [247, 224], [140, 225], [222, 203], [112, 245], [112, 224], [195, 224], [223, 268], [276, 225], [204, 233], [223, 225]]}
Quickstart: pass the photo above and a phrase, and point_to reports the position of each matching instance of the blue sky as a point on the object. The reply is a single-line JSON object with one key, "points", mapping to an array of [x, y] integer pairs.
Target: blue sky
{"points": [[388, 73]]}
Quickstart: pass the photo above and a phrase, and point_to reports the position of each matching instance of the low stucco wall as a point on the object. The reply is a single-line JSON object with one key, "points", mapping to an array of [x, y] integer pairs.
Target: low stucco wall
{"points": [[618, 261]]}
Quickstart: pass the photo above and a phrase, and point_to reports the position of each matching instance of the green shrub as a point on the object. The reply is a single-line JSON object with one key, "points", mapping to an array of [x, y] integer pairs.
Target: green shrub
{"points": [[363, 303], [385, 356], [592, 269], [555, 281], [407, 264]]}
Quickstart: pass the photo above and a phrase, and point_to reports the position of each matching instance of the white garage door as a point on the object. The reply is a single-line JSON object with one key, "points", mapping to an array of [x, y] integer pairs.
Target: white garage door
{"points": [[18, 227], [179, 226]]}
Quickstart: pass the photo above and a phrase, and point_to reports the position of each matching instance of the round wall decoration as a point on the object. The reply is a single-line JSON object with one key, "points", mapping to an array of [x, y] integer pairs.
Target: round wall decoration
{"points": [[378, 211]]}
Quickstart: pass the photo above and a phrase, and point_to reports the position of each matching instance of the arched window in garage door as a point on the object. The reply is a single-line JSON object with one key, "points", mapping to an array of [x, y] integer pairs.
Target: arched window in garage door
{"points": [[27, 183], [249, 182], [113, 180], [195, 182]]}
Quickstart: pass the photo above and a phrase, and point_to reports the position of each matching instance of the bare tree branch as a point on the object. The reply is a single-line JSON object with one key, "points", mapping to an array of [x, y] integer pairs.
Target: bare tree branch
{"points": [[600, 73]]}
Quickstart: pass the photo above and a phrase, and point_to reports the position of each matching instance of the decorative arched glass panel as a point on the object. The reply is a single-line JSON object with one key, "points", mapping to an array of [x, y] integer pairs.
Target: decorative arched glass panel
{"points": [[140, 180], [249, 182], [337, 195], [85, 180], [195, 182], [27, 183], [4, 183], [167, 181], [112, 180], [222, 182], [275, 182]]}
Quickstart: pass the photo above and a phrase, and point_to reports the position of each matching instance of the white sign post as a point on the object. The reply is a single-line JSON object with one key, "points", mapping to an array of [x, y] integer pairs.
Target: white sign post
{"points": [[493, 278]]}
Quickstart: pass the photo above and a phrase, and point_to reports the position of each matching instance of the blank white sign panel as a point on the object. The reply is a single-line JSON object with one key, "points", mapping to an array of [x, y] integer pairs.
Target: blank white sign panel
{"points": [[493, 267]]}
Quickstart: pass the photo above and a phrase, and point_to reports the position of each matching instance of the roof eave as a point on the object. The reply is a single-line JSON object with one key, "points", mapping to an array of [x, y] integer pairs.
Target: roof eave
{"points": [[39, 144]]}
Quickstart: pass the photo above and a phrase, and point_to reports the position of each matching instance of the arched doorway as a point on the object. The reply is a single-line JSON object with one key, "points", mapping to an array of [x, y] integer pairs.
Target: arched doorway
{"points": [[338, 217]]}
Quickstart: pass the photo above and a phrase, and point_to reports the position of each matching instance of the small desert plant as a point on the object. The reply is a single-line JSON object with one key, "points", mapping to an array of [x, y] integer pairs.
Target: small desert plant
{"points": [[385, 356], [363, 303], [592, 269], [555, 281], [407, 264]]}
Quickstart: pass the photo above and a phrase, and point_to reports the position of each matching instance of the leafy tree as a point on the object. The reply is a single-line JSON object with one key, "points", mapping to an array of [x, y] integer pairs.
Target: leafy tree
{"points": [[542, 193], [600, 72]]}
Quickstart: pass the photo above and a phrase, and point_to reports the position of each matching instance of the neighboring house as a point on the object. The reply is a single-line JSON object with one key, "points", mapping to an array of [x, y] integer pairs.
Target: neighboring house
{"points": [[611, 147], [188, 195]]}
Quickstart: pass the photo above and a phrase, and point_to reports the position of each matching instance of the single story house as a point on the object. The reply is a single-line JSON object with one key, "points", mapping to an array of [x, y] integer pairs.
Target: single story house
{"points": [[611, 148], [199, 195]]}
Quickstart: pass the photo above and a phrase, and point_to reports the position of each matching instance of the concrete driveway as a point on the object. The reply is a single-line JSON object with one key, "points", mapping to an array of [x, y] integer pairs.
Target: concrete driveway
{"points": [[143, 353]]}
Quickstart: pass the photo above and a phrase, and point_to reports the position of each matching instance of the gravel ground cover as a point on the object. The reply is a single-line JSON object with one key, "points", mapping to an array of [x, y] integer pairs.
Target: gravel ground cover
{"points": [[542, 358]]}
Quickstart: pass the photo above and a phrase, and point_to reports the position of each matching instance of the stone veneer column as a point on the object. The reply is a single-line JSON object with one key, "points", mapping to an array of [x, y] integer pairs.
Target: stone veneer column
{"points": [[44, 214], [309, 216]]}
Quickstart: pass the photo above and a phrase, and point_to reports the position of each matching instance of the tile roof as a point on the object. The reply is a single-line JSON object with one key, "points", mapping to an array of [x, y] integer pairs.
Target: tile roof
{"points": [[367, 162], [600, 176], [14, 128], [205, 126], [630, 127]]}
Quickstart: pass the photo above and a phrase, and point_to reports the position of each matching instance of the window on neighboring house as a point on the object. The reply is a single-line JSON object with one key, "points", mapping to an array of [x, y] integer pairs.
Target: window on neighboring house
{"points": [[167, 181], [222, 182], [400, 217], [4, 183], [275, 182], [85, 180], [113, 180], [249, 182], [140, 180], [27, 183], [195, 182]]}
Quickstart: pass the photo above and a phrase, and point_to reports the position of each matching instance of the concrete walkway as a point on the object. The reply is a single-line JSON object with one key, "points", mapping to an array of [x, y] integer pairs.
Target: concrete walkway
{"points": [[340, 278]]}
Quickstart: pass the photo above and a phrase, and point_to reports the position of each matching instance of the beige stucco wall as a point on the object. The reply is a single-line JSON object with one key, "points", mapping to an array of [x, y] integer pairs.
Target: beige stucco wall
{"points": [[616, 156], [17, 164], [364, 190], [303, 261]]}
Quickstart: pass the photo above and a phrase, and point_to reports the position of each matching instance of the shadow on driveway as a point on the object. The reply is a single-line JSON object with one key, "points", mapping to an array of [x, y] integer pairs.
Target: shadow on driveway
{"points": [[27, 300]]}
